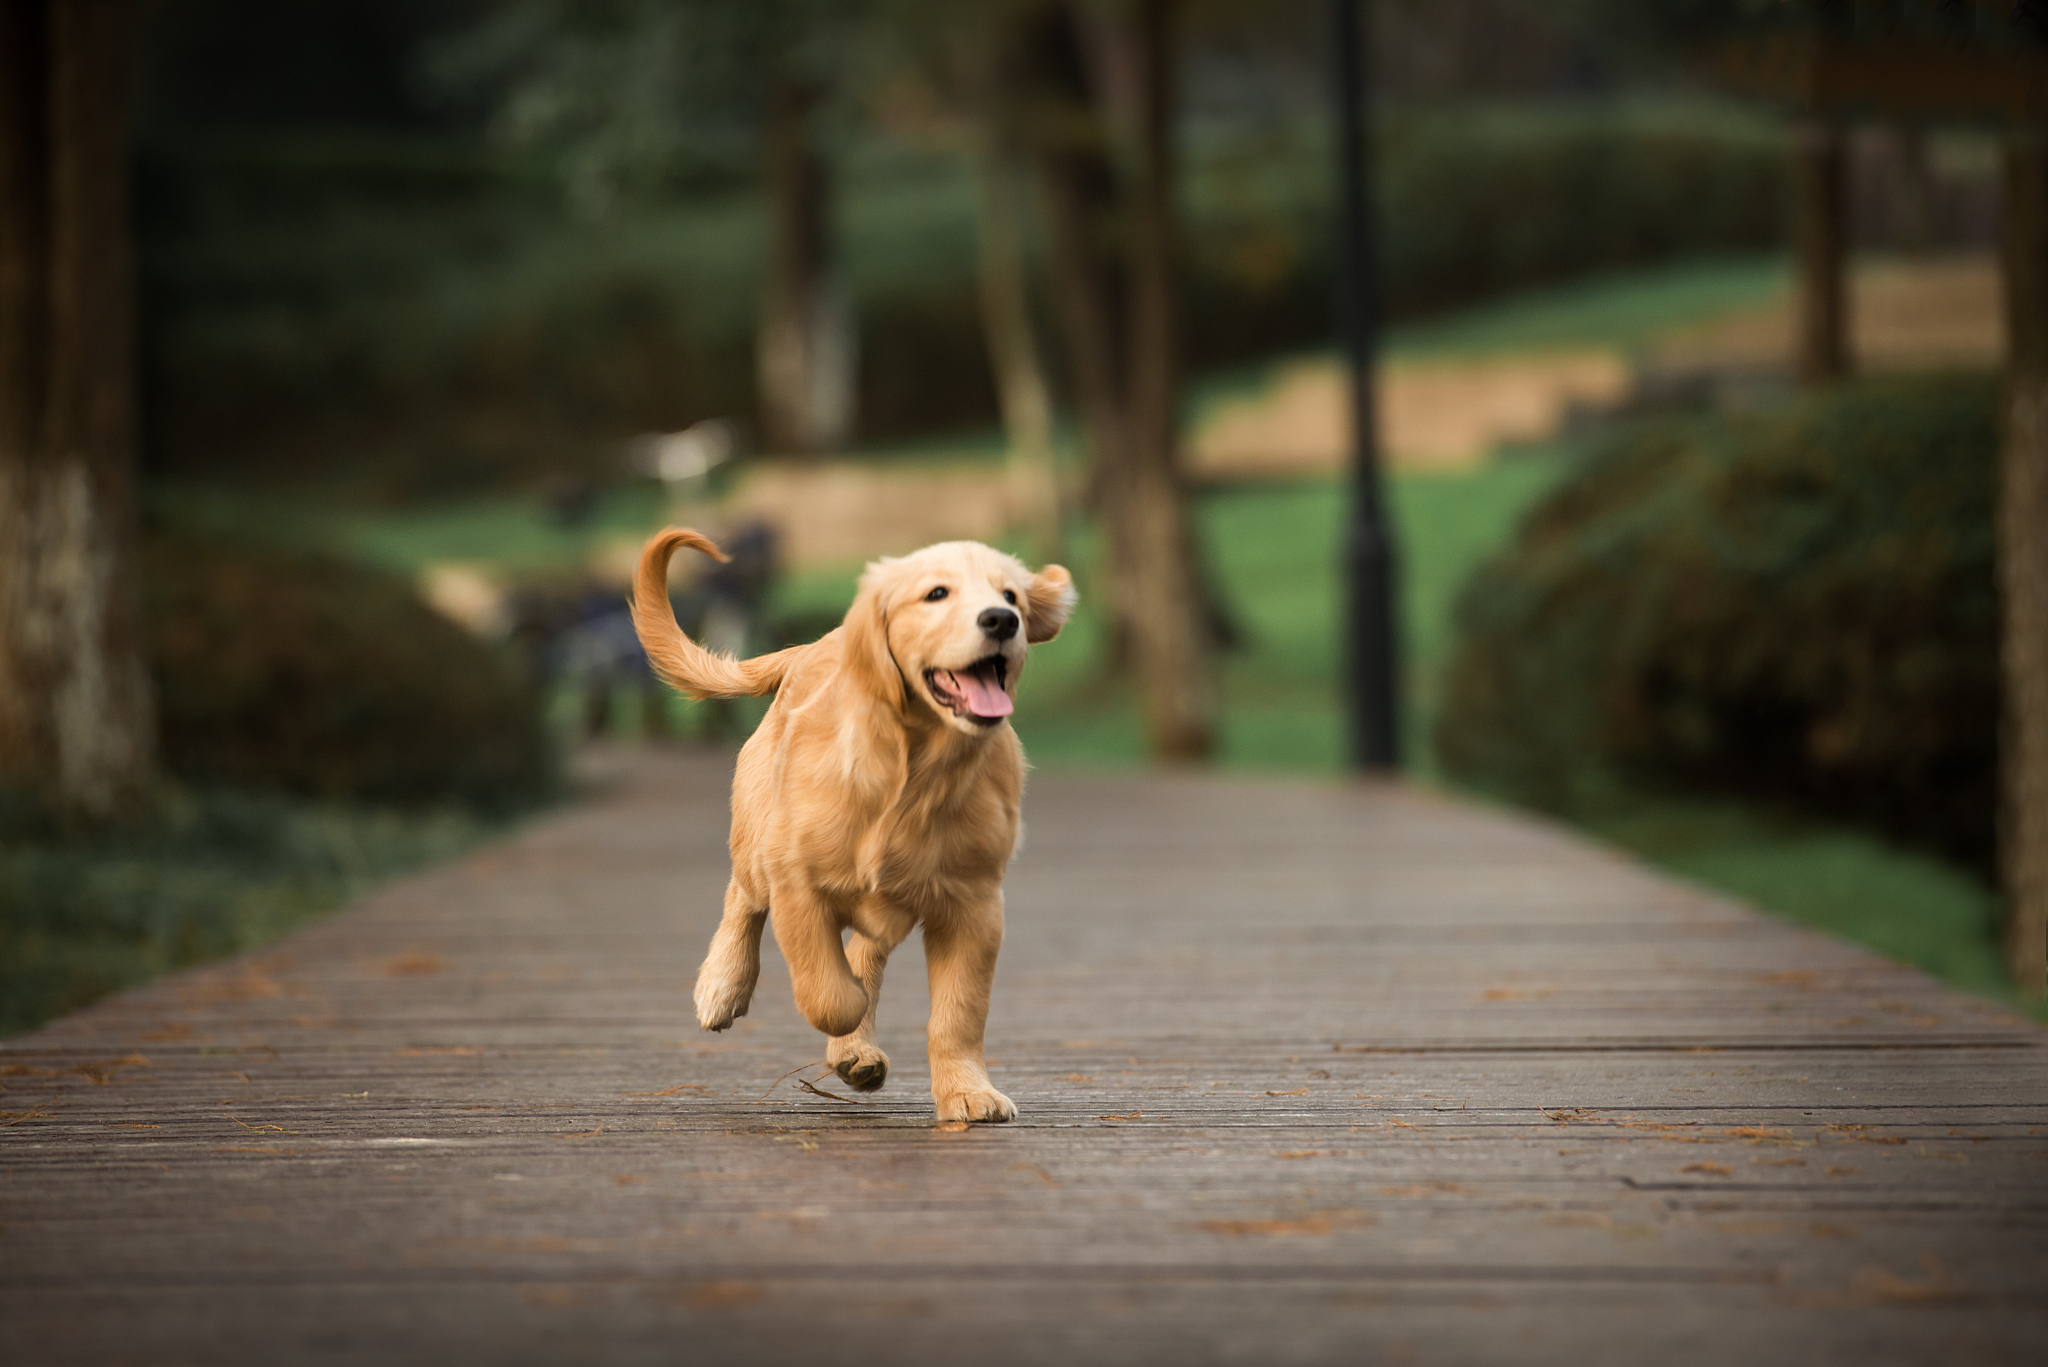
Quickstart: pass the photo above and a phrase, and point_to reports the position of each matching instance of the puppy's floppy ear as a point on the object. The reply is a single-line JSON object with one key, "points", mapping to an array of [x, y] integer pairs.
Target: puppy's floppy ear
{"points": [[1048, 603], [869, 664]]}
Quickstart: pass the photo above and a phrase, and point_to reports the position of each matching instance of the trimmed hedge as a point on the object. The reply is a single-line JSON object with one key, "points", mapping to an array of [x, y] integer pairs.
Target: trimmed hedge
{"points": [[332, 680], [1797, 604]]}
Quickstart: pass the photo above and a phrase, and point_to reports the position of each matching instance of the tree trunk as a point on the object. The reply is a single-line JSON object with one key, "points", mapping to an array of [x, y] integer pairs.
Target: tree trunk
{"points": [[1919, 197], [1822, 176], [1163, 598], [805, 352], [1113, 254], [1013, 352], [2023, 565], [76, 726]]}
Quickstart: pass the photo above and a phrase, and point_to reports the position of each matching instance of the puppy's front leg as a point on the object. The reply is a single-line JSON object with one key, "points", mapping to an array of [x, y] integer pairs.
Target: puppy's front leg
{"points": [[960, 954], [807, 930], [725, 984], [857, 1059]]}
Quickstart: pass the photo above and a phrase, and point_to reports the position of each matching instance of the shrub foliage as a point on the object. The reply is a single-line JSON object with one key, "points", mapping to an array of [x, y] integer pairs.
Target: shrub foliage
{"points": [[332, 680], [1798, 603]]}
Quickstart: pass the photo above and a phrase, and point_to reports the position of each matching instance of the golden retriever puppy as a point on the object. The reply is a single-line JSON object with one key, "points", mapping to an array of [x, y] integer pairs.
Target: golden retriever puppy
{"points": [[880, 793]]}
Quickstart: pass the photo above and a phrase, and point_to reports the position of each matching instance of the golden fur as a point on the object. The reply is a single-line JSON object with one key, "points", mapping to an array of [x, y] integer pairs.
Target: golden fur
{"points": [[864, 805]]}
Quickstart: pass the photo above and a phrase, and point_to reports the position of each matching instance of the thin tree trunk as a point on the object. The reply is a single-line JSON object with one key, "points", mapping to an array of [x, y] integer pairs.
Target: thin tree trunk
{"points": [[1919, 193], [1822, 174], [805, 355], [1163, 598], [76, 725], [1013, 352], [1113, 252], [2023, 565]]}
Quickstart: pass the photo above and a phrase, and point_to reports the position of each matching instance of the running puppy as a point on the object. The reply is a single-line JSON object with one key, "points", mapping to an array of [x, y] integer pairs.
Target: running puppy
{"points": [[880, 793]]}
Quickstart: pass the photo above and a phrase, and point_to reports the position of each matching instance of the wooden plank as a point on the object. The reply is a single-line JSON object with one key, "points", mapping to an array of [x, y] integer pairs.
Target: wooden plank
{"points": [[1305, 1072]]}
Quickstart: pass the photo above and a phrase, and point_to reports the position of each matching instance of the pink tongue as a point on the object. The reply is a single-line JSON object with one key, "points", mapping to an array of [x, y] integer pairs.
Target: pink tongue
{"points": [[984, 699]]}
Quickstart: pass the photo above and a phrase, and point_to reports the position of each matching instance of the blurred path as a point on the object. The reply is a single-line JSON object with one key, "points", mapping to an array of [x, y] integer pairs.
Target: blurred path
{"points": [[1307, 1074], [1449, 413]]}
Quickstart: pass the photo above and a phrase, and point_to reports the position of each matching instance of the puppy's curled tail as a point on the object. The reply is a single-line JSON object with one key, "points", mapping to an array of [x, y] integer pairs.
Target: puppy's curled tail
{"points": [[685, 665]]}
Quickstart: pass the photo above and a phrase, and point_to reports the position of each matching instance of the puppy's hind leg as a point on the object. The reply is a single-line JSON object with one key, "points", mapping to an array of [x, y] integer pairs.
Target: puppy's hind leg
{"points": [[725, 984], [855, 1056]]}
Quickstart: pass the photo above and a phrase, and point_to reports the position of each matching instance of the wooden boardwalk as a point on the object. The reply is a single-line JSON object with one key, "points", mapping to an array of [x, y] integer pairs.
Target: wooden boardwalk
{"points": [[1306, 1074]]}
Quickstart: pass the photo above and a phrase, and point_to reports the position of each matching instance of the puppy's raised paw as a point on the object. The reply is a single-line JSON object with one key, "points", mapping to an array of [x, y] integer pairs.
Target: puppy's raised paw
{"points": [[980, 1104], [860, 1066]]}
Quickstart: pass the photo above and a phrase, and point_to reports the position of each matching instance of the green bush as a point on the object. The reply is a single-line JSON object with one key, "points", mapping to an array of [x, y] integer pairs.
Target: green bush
{"points": [[332, 680], [1796, 603]]}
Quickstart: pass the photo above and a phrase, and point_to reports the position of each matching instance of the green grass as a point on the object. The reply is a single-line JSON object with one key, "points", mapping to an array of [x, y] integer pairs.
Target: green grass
{"points": [[1274, 548], [1626, 310], [1907, 906], [1623, 310], [204, 874], [516, 534]]}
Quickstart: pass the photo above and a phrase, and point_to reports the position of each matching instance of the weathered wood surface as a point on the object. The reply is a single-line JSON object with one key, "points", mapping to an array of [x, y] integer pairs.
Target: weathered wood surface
{"points": [[1306, 1074]]}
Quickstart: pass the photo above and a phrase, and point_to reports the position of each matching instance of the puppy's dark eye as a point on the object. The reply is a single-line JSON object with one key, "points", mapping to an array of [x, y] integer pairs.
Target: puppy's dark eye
{"points": [[936, 594], [1010, 597]]}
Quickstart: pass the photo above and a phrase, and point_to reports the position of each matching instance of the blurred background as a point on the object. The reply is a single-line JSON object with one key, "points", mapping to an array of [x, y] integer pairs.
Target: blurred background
{"points": [[441, 306]]}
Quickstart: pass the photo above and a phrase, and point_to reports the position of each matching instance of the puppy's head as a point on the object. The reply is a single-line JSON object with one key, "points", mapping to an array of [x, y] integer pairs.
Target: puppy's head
{"points": [[946, 628]]}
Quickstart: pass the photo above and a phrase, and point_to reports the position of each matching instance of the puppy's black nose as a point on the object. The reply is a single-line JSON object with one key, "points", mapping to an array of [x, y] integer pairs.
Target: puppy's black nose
{"points": [[1000, 623]]}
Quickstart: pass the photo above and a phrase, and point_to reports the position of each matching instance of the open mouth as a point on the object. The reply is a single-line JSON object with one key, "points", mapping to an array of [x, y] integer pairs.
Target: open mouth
{"points": [[975, 692]]}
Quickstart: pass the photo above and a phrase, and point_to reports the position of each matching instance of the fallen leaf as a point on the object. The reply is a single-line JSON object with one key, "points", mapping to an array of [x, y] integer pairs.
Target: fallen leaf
{"points": [[247, 1126], [1711, 1169], [1134, 1115], [1315, 1222], [717, 1295], [1937, 1289], [413, 964], [1267, 1226]]}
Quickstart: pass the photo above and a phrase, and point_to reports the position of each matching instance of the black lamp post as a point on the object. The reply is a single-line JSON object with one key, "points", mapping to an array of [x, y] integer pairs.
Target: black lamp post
{"points": [[1372, 665]]}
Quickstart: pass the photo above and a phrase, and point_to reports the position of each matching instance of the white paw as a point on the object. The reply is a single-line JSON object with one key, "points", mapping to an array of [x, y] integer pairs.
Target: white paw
{"points": [[860, 1066], [722, 997], [981, 1103]]}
